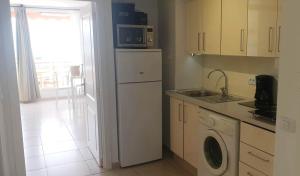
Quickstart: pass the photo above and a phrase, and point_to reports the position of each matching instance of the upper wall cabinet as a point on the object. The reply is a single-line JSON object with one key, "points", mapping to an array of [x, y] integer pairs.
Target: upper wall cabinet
{"points": [[210, 26], [193, 27], [234, 27], [279, 26], [203, 26], [262, 28]]}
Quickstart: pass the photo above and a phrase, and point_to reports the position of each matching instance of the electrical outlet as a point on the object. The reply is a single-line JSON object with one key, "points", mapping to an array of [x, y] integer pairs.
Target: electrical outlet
{"points": [[252, 81]]}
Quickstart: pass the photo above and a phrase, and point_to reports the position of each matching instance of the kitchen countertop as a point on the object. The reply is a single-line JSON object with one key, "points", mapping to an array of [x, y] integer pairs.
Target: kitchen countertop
{"points": [[231, 109]]}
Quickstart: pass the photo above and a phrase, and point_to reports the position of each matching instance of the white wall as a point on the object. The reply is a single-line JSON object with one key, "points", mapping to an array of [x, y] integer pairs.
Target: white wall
{"points": [[287, 156], [239, 70], [151, 8]]}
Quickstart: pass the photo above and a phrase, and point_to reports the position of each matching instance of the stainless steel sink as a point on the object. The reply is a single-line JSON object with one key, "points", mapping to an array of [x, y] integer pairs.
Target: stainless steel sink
{"points": [[197, 93], [219, 99], [208, 96]]}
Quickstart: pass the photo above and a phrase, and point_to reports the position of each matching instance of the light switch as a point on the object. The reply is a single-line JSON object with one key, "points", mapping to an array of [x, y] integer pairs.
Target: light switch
{"points": [[287, 124]]}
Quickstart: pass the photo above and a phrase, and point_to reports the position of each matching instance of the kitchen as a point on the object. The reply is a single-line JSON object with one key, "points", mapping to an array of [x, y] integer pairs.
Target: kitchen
{"points": [[223, 64], [221, 61]]}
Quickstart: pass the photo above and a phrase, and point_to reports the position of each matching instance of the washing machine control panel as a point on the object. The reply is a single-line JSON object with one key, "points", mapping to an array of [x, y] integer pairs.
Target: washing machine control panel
{"points": [[217, 121]]}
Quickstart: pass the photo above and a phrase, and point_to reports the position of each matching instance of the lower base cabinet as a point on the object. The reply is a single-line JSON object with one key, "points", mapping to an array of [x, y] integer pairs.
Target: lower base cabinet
{"points": [[245, 170], [176, 127], [191, 134], [184, 131], [257, 148], [256, 144]]}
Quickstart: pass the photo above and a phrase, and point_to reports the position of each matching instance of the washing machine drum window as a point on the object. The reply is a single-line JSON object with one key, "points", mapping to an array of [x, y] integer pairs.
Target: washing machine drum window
{"points": [[215, 153]]}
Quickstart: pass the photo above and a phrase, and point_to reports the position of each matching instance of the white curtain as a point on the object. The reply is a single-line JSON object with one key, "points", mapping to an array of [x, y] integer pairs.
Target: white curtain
{"points": [[27, 77]]}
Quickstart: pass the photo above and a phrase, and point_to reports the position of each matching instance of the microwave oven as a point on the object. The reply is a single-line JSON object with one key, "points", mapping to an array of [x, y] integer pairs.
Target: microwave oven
{"points": [[134, 36]]}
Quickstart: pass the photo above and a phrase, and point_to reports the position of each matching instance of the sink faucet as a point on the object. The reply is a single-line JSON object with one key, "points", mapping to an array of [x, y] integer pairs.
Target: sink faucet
{"points": [[223, 89]]}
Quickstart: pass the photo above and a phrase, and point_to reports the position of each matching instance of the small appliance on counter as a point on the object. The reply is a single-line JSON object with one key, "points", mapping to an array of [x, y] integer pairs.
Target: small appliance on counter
{"points": [[131, 29], [265, 103]]}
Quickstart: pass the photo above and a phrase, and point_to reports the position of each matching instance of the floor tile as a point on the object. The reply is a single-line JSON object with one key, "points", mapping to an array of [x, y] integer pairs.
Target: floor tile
{"points": [[31, 133], [81, 144], [42, 172], [57, 135], [35, 163], [32, 141], [86, 154], [34, 151], [93, 166], [62, 150], [121, 172], [63, 158], [74, 169], [159, 168], [59, 147]]}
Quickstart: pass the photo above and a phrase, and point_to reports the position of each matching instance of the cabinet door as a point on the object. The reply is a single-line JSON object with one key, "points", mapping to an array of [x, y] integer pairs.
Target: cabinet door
{"points": [[234, 27], [279, 28], [262, 19], [176, 126], [210, 23], [191, 135], [193, 36]]}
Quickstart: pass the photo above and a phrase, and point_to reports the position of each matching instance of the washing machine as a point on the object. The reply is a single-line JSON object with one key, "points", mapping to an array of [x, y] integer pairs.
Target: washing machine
{"points": [[219, 137]]}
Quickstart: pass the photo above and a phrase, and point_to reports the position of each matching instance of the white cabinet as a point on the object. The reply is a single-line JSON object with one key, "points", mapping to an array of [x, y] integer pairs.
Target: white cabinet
{"points": [[193, 43], [210, 26], [279, 28], [184, 132], [191, 134], [257, 149], [234, 27], [203, 26], [262, 25], [176, 126]]}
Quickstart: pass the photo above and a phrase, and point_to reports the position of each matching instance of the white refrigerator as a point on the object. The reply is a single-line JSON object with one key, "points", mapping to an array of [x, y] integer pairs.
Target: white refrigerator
{"points": [[139, 97]]}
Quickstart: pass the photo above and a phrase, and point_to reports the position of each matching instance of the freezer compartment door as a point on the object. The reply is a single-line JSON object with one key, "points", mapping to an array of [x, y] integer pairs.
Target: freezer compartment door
{"points": [[140, 122], [136, 66]]}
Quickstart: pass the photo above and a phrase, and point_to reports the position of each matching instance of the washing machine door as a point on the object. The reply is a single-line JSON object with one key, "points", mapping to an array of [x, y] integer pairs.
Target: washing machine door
{"points": [[215, 153]]}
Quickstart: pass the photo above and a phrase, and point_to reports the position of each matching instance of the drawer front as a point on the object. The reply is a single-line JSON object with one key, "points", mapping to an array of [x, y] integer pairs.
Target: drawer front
{"points": [[248, 171], [259, 138], [257, 159]]}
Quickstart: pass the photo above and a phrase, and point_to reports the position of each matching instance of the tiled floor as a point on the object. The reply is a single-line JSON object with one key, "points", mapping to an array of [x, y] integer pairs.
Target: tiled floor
{"points": [[55, 145]]}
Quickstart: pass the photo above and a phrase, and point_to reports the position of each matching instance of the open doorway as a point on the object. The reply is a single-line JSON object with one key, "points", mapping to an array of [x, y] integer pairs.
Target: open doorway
{"points": [[56, 80]]}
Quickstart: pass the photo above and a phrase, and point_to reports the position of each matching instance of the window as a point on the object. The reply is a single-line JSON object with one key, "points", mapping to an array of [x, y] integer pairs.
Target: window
{"points": [[56, 45]]}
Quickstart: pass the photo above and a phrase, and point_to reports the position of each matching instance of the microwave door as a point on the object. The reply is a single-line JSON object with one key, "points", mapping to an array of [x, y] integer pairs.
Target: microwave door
{"points": [[132, 36]]}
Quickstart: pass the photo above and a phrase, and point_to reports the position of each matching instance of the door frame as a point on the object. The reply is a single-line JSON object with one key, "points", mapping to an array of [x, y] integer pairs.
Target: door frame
{"points": [[11, 146], [105, 75]]}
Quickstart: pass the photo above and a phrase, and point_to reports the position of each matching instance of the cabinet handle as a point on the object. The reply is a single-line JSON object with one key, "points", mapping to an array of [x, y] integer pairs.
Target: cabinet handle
{"points": [[204, 41], [258, 157], [279, 38], [199, 37], [242, 40], [270, 39], [179, 112], [184, 116]]}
